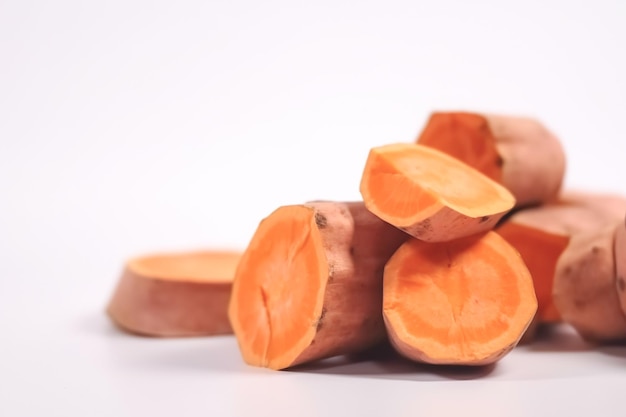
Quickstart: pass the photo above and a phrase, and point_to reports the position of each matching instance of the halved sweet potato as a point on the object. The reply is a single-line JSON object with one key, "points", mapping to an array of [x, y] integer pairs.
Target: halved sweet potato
{"points": [[309, 285]]}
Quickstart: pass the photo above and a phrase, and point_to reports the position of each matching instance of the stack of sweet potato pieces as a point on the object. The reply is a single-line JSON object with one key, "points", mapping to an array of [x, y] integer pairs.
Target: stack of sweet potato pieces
{"points": [[463, 243]]}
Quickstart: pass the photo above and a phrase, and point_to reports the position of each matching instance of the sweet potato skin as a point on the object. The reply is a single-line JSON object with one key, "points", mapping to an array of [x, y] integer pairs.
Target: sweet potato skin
{"points": [[585, 291], [533, 159], [164, 308], [447, 224], [620, 263], [357, 244]]}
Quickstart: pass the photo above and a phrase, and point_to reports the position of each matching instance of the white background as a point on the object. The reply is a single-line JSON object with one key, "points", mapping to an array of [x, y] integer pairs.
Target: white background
{"points": [[128, 127]]}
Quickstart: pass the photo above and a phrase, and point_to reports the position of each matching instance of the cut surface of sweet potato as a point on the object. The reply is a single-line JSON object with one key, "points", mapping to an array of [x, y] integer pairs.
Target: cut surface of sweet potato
{"points": [[309, 285], [541, 251], [175, 294], [462, 302], [518, 152], [431, 195]]}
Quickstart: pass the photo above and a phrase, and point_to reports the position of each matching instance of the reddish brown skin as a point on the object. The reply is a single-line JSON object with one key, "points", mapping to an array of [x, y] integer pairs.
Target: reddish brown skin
{"points": [[620, 263], [585, 287], [168, 308], [448, 224], [533, 158], [358, 244]]}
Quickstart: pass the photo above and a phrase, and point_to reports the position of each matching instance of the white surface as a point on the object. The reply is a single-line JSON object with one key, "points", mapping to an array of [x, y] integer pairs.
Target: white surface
{"points": [[129, 127]]}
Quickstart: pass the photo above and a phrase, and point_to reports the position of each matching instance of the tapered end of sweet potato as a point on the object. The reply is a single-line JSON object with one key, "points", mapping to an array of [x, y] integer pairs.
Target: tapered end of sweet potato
{"points": [[174, 295]]}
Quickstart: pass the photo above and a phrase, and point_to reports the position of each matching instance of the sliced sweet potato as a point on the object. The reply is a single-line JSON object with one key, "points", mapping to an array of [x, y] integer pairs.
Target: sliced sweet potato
{"points": [[462, 302], [175, 294], [542, 235], [568, 247], [429, 194], [520, 153], [309, 285]]}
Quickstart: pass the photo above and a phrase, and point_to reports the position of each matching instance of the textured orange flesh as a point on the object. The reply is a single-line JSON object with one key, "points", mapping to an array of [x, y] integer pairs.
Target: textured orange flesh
{"points": [[460, 301], [406, 183], [207, 266], [540, 251], [465, 136], [278, 288]]}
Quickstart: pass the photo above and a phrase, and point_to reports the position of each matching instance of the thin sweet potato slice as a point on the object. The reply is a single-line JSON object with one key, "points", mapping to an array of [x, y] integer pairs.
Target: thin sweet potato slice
{"points": [[462, 302], [520, 153], [429, 194], [175, 294], [309, 285]]}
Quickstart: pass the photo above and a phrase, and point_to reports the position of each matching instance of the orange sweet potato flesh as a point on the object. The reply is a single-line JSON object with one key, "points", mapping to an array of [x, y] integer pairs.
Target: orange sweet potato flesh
{"points": [[540, 250], [520, 153], [462, 302], [175, 294], [429, 194], [309, 285]]}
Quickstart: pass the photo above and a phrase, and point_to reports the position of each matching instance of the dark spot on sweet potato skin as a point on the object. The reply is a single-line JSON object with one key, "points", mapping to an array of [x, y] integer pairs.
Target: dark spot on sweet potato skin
{"points": [[499, 161], [484, 219], [320, 220], [621, 284]]}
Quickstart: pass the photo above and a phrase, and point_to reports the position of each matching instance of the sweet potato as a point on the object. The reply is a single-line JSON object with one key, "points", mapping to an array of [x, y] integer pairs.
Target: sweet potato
{"points": [[309, 285], [520, 153], [567, 245], [620, 263], [429, 194], [462, 302], [175, 294], [585, 289]]}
